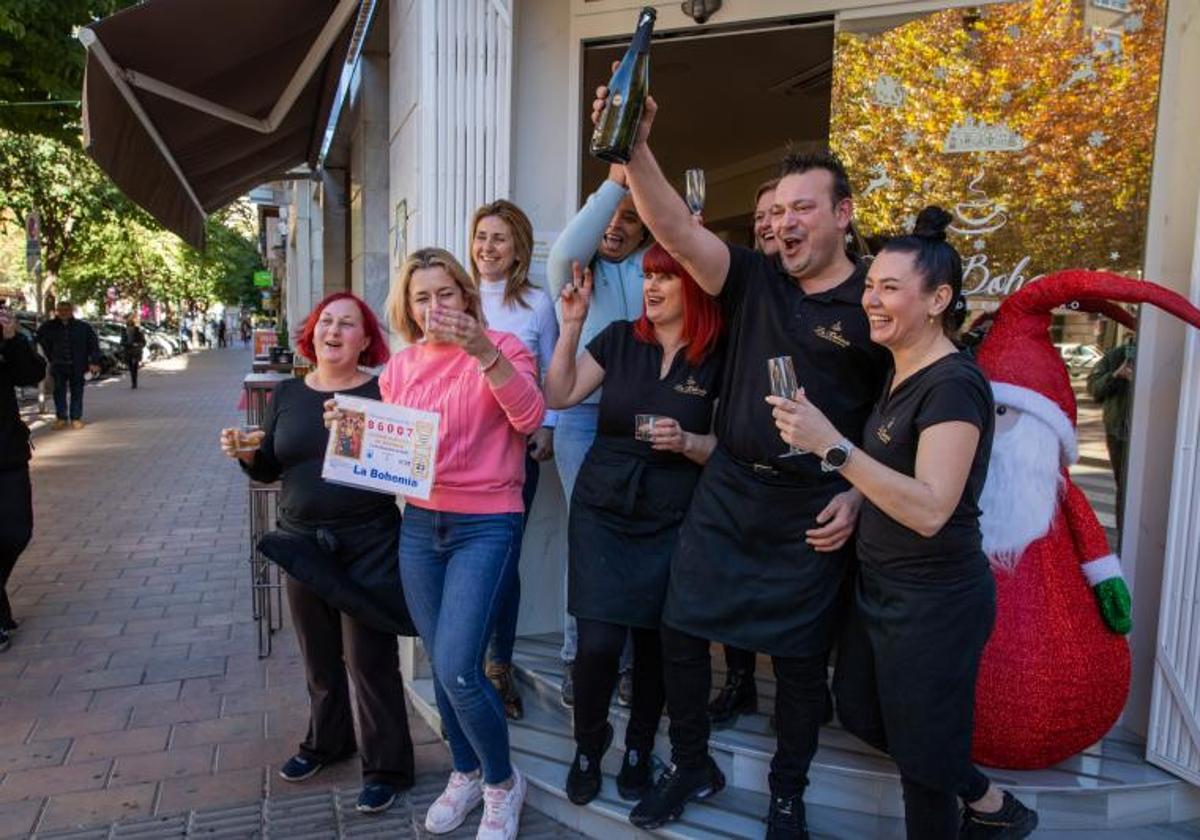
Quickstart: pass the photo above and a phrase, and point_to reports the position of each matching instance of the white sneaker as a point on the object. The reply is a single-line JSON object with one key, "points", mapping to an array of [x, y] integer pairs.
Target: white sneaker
{"points": [[462, 795], [502, 810]]}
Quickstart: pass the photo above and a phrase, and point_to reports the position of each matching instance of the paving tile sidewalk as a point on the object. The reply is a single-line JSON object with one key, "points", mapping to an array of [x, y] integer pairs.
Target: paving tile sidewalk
{"points": [[133, 688]]}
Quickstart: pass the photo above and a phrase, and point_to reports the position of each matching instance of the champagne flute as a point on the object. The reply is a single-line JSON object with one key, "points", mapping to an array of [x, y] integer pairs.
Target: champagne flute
{"points": [[782, 374], [694, 183]]}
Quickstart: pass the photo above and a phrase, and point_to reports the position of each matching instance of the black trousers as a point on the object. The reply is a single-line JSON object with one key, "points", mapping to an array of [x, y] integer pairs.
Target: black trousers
{"points": [[801, 705], [334, 645], [16, 529], [740, 660], [1116, 456], [596, 671], [934, 814], [133, 364]]}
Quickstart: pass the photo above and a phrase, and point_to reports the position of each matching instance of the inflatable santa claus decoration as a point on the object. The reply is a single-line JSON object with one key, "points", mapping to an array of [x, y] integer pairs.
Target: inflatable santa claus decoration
{"points": [[1055, 673]]}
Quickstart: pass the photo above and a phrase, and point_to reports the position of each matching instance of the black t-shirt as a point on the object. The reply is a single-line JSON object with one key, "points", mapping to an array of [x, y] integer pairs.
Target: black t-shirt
{"points": [[828, 338], [951, 389], [293, 449], [632, 383]]}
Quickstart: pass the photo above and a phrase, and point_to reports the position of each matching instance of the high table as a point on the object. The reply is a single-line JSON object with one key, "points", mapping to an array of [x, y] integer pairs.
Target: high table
{"points": [[266, 585]]}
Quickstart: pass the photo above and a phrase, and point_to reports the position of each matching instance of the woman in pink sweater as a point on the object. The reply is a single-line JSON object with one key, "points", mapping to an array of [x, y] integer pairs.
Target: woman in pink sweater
{"points": [[459, 548]]}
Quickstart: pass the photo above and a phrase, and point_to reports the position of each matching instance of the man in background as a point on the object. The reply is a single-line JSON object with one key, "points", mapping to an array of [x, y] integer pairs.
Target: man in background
{"points": [[1109, 384], [71, 347]]}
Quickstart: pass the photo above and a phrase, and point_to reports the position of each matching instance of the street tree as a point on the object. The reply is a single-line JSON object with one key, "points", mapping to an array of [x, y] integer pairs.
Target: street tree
{"points": [[62, 185], [41, 64]]}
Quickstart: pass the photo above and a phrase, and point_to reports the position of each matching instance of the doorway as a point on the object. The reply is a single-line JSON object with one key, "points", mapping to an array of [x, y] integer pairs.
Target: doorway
{"points": [[755, 90]]}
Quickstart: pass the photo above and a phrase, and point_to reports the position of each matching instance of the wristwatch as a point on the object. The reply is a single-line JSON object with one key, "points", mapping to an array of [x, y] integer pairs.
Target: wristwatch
{"points": [[836, 456]]}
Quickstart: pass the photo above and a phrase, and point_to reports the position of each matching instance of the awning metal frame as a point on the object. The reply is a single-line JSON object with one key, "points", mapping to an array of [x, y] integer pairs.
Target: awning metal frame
{"points": [[125, 80]]}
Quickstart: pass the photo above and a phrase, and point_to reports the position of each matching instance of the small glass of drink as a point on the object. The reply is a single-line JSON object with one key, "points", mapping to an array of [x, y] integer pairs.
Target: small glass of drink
{"points": [[643, 426]]}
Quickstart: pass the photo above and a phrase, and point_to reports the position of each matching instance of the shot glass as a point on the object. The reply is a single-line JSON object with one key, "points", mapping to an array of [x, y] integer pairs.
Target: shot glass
{"points": [[643, 426]]}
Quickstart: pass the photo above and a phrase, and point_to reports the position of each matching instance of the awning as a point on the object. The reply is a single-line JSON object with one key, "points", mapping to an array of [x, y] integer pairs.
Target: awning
{"points": [[187, 104]]}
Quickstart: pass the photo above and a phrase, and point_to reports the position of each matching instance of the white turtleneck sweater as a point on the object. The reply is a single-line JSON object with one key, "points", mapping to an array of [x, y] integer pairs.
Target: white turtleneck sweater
{"points": [[536, 325]]}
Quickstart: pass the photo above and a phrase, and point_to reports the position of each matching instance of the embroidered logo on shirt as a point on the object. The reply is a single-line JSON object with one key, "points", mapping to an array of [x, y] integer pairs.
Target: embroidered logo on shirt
{"points": [[691, 388], [884, 432], [832, 334]]}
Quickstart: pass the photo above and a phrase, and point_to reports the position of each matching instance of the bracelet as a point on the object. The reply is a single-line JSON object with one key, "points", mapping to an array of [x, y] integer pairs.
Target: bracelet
{"points": [[496, 358]]}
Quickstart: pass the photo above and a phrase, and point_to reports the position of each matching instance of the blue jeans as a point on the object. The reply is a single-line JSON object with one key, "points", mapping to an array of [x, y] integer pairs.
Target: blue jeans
{"points": [[463, 561], [573, 437], [505, 636], [64, 376]]}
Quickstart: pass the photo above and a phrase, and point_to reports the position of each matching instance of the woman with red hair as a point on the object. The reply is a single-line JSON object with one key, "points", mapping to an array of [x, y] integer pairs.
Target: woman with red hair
{"points": [[660, 376], [342, 337]]}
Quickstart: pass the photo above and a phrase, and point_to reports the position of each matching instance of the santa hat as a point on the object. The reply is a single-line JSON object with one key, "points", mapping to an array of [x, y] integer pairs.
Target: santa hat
{"points": [[1025, 369]]}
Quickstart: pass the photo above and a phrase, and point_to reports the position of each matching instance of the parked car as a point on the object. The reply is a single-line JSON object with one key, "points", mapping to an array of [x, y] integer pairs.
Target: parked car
{"points": [[1080, 358]]}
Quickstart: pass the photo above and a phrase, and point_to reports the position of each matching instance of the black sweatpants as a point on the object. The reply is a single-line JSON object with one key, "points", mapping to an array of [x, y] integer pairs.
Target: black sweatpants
{"points": [[333, 645], [16, 529], [596, 671], [801, 705]]}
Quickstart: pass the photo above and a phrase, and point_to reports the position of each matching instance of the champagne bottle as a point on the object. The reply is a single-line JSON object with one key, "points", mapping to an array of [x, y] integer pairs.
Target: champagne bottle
{"points": [[613, 138]]}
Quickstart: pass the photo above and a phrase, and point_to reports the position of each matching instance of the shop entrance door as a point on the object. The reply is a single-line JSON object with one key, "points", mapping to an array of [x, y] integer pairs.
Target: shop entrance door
{"points": [[730, 102]]}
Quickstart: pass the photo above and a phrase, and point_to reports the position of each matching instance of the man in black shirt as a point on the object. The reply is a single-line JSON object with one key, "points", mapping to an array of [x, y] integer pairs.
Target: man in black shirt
{"points": [[763, 555], [19, 365], [72, 348]]}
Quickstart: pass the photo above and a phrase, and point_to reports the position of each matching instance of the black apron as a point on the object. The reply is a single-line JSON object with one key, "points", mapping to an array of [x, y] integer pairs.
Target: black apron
{"points": [[623, 525], [906, 669], [743, 573]]}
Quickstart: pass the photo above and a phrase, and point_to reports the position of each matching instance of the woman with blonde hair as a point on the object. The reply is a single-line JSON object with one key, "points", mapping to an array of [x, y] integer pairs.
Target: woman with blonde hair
{"points": [[501, 249], [459, 547]]}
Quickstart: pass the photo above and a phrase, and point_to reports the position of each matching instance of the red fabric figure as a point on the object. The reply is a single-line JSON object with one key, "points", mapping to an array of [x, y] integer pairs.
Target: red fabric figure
{"points": [[1055, 673]]}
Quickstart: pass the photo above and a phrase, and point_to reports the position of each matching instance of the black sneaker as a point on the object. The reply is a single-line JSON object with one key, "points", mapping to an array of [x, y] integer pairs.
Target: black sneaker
{"points": [[298, 768], [568, 685], [739, 694], [5, 641], [785, 820], [584, 778], [1012, 822], [375, 797], [637, 774], [674, 789]]}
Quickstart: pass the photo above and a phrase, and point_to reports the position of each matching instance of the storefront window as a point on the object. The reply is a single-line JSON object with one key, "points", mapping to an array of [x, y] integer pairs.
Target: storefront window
{"points": [[1033, 124]]}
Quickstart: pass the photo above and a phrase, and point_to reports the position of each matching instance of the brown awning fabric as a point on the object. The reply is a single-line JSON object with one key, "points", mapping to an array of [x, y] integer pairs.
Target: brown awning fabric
{"points": [[212, 79]]}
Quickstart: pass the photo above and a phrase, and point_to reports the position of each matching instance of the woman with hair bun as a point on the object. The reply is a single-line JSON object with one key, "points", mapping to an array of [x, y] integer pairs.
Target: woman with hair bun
{"points": [[925, 599]]}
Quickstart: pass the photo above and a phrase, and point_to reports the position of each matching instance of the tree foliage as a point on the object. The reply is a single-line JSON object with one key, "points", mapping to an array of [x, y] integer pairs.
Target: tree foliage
{"points": [[1083, 98], [41, 62], [62, 185]]}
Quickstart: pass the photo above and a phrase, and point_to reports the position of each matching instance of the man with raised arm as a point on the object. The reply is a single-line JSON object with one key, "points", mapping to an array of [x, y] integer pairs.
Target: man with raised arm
{"points": [[763, 556]]}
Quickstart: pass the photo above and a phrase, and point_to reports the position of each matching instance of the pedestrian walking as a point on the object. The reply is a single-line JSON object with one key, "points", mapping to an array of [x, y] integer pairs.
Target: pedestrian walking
{"points": [[19, 365], [662, 374], [925, 598], [501, 253], [459, 548], [133, 342], [342, 336], [221, 333], [73, 349]]}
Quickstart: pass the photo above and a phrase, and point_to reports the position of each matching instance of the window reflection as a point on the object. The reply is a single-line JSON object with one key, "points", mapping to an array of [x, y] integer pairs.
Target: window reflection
{"points": [[1033, 123]]}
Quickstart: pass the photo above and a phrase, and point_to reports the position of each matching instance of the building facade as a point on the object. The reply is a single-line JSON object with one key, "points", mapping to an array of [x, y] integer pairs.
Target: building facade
{"points": [[454, 103]]}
